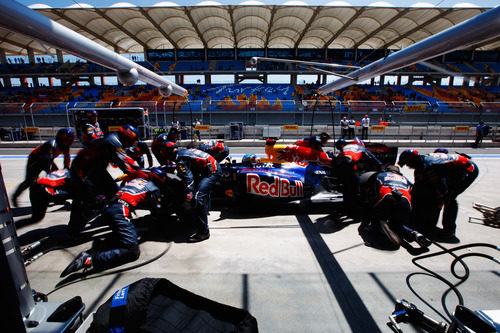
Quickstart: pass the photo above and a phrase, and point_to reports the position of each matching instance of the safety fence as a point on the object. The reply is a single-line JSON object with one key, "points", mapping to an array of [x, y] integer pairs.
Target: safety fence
{"points": [[393, 133], [260, 114]]}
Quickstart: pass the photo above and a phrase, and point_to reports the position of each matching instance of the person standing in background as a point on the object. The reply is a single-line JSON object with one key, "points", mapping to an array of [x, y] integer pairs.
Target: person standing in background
{"points": [[196, 122], [365, 124], [352, 125], [176, 124], [481, 131], [344, 126], [91, 130]]}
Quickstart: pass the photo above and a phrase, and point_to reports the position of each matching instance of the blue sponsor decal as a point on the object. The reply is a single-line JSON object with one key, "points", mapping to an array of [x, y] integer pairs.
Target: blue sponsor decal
{"points": [[120, 297]]}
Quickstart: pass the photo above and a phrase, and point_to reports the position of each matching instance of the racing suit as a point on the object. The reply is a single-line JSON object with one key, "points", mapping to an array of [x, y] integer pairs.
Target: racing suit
{"points": [[90, 177], [91, 132], [313, 142], [439, 179], [215, 148], [200, 172], [137, 152], [41, 159], [54, 187], [138, 193], [347, 165], [393, 200], [295, 153]]}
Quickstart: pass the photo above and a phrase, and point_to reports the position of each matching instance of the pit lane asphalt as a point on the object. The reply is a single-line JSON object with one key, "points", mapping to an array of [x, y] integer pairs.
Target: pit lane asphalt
{"points": [[295, 271]]}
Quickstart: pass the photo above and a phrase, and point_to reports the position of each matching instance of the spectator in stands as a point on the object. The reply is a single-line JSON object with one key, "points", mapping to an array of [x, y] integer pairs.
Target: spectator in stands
{"points": [[344, 126], [365, 125], [351, 127], [92, 129], [42, 159]]}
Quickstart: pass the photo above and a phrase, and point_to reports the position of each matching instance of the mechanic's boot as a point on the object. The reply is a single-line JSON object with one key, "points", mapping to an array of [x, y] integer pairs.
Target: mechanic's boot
{"points": [[83, 260], [443, 236], [15, 199], [198, 237]]}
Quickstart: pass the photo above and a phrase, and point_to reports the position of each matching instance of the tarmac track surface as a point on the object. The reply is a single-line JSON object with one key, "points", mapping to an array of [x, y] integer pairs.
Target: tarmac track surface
{"points": [[295, 270]]}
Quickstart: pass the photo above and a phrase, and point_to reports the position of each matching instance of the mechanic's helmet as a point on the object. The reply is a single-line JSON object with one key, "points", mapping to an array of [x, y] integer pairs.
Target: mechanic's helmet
{"points": [[65, 137], [173, 134], [168, 152], [157, 175], [324, 137], [407, 157], [393, 168], [156, 144], [92, 113], [249, 158], [340, 144], [441, 150], [218, 147], [358, 141], [128, 135]]}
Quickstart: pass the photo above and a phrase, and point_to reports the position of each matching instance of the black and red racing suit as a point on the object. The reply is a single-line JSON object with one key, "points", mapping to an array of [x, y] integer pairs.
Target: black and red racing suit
{"points": [[200, 172], [90, 177], [439, 179], [41, 159]]}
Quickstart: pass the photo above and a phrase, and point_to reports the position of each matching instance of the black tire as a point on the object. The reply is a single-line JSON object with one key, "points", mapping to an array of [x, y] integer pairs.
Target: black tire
{"points": [[389, 234]]}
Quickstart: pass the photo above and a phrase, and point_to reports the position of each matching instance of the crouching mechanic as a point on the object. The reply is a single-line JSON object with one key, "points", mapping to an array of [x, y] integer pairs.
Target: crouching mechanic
{"points": [[389, 200], [200, 172], [42, 159], [51, 188], [350, 161], [123, 246]]}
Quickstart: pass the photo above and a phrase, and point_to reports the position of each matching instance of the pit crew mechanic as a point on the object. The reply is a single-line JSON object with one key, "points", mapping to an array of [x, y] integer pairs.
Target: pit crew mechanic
{"points": [[123, 246], [137, 152], [216, 148], [387, 196], [42, 159], [92, 129], [346, 164], [200, 172], [439, 179], [90, 178], [316, 142]]}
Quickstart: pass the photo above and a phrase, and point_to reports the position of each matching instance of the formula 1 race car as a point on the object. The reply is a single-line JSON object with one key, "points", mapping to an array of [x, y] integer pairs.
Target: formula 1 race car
{"points": [[290, 173], [277, 181]]}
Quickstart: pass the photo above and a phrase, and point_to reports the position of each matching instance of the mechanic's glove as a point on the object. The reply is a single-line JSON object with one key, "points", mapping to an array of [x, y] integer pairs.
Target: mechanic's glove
{"points": [[138, 173]]}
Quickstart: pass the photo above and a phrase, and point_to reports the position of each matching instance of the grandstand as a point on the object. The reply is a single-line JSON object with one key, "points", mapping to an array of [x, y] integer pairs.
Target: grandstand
{"points": [[422, 93]]}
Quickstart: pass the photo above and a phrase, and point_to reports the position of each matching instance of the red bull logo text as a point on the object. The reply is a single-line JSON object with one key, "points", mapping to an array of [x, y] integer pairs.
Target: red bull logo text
{"points": [[280, 188]]}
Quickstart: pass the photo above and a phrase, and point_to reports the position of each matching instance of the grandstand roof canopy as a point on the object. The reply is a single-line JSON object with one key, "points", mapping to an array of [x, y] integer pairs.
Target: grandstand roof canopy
{"points": [[126, 28]]}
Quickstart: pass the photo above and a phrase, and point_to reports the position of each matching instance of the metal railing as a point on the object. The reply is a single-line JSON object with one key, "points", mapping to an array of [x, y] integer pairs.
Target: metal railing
{"points": [[254, 116], [392, 134]]}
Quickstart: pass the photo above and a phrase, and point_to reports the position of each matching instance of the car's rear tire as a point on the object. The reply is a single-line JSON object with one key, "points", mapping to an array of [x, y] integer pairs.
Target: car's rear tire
{"points": [[389, 234]]}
